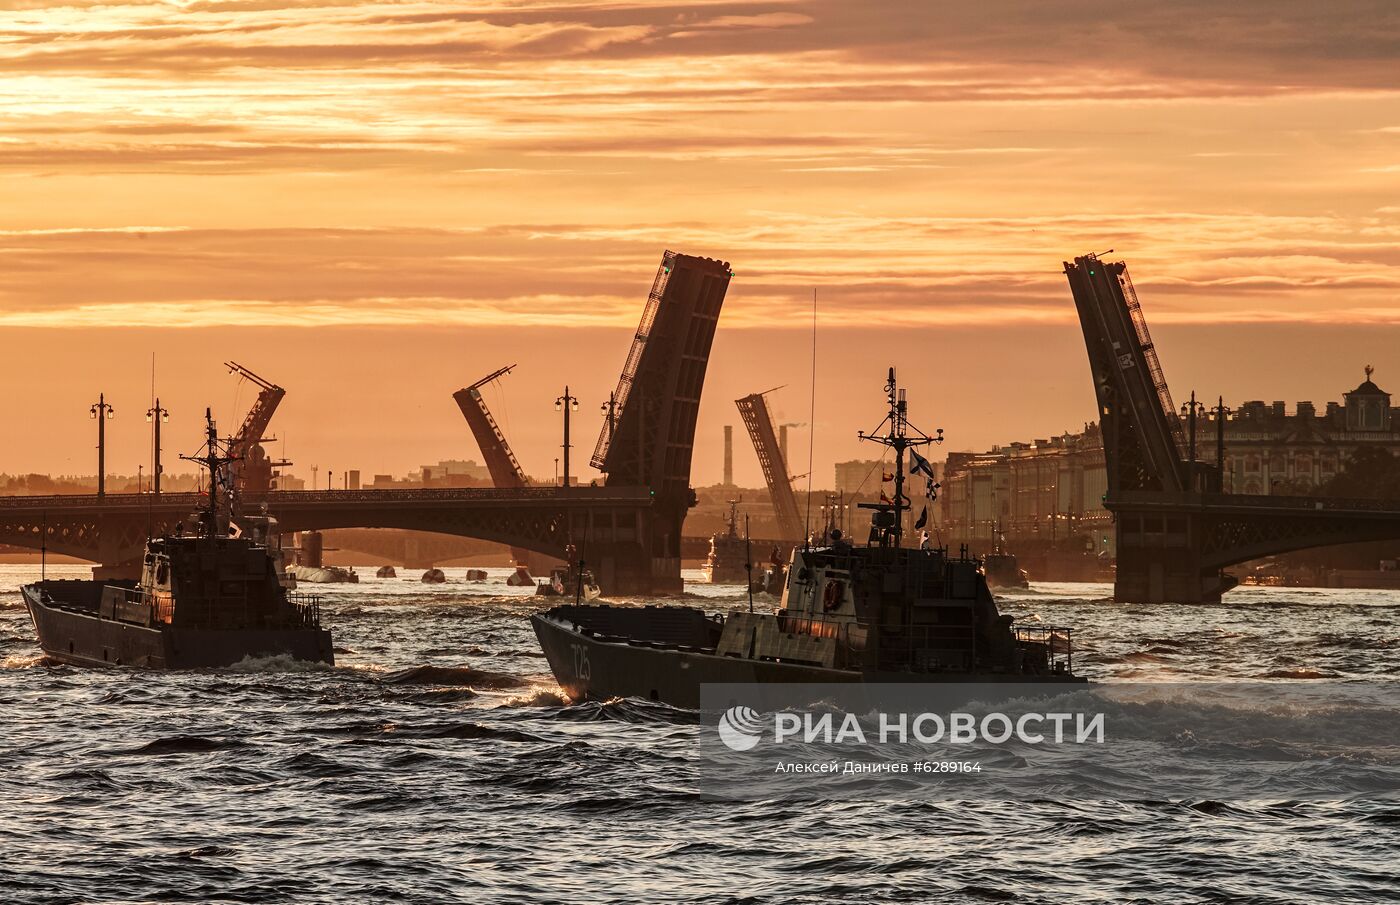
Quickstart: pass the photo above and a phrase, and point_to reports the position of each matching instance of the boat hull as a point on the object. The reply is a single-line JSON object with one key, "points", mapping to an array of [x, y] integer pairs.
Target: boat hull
{"points": [[588, 667], [67, 635], [591, 669]]}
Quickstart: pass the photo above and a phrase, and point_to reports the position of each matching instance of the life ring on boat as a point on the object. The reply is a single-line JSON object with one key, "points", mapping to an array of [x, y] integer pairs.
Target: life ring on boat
{"points": [[833, 595]]}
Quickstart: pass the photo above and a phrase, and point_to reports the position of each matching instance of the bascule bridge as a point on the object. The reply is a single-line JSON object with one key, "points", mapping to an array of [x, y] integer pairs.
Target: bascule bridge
{"points": [[628, 530], [1176, 530]]}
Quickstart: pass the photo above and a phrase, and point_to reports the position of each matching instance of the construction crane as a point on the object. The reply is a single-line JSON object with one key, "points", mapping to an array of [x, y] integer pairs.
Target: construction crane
{"points": [[754, 410], [500, 461], [251, 469]]}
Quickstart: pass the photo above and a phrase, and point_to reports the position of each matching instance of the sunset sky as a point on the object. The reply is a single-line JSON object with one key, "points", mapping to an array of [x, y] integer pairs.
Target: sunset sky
{"points": [[375, 203]]}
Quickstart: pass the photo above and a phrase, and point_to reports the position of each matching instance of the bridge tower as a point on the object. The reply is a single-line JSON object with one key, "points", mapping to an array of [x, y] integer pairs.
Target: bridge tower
{"points": [[251, 468], [1159, 552], [658, 401], [500, 459], [772, 456]]}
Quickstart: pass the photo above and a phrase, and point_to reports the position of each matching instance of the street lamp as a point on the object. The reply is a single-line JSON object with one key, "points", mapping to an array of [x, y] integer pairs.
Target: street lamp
{"points": [[102, 412], [566, 404], [1190, 411], [157, 416], [1220, 413], [609, 409]]}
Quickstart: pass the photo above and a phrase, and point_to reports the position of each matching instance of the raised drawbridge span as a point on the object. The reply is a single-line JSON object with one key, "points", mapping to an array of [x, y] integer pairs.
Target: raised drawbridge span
{"points": [[628, 530], [1176, 530]]}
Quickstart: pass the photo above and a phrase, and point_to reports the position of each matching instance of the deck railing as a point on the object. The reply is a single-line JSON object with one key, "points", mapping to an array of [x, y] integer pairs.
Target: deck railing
{"points": [[307, 607]]}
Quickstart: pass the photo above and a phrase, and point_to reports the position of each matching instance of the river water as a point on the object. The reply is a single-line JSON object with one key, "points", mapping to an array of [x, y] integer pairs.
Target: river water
{"points": [[438, 762]]}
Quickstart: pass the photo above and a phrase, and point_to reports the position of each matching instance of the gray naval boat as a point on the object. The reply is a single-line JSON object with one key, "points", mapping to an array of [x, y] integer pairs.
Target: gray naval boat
{"points": [[206, 599], [880, 612]]}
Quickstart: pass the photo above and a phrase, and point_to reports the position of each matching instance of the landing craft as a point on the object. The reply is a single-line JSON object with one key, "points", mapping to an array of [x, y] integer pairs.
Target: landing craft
{"points": [[875, 613], [203, 599]]}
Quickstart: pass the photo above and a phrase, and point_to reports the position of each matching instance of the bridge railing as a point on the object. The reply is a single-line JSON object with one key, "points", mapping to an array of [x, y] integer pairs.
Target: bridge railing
{"points": [[87, 500], [456, 494], [1260, 501]]}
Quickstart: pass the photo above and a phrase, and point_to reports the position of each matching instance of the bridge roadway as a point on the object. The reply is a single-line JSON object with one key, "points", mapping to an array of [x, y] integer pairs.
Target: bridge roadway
{"points": [[1172, 546], [610, 525]]}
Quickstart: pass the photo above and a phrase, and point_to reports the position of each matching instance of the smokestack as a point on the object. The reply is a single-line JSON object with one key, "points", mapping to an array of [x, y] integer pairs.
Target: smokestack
{"points": [[728, 455], [782, 444]]}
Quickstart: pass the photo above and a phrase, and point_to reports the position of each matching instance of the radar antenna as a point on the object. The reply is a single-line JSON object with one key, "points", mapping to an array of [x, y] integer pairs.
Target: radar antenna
{"points": [[214, 455], [899, 435]]}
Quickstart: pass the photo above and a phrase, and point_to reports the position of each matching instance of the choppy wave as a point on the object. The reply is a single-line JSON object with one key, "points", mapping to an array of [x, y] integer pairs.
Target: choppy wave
{"points": [[438, 761], [452, 675]]}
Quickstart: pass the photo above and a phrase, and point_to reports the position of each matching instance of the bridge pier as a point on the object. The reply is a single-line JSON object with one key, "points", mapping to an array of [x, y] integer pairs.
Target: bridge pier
{"points": [[1159, 574], [115, 561]]}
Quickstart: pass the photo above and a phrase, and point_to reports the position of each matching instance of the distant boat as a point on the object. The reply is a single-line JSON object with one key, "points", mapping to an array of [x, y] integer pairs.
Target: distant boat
{"points": [[324, 574], [1001, 568], [565, 582], [774, 577], [476, 575], [728, 559], [521, 577], [433, 576], [385, 572]]}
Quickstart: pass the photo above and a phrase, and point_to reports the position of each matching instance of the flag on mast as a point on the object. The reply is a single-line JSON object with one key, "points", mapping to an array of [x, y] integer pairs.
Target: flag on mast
{"points": [[919, 465]]}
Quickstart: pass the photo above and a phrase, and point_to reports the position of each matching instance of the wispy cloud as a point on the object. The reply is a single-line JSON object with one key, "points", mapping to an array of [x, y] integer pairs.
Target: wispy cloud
{"points": [[374, 163]]}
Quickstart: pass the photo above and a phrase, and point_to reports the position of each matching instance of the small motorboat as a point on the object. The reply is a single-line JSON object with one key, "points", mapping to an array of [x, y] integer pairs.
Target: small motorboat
{"points": [[566, 582], [433, 576], [521, 577], [324, 574], [476, 575], [385, 572]]}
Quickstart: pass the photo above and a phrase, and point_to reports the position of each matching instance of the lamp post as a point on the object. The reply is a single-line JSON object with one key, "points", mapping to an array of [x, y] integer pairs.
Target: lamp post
{"points": [[1220, 412], [1191, 410], [609, 409], [157, 416], [102, 412], [566, 404]]}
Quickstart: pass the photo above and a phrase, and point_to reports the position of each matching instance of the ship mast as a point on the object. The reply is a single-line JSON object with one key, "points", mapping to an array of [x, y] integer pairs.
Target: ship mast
{"points": [[212, 459], [899, 436]]}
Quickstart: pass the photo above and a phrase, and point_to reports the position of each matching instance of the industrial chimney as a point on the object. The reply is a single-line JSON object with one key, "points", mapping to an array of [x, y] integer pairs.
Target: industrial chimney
{"points": [[728, 455]]}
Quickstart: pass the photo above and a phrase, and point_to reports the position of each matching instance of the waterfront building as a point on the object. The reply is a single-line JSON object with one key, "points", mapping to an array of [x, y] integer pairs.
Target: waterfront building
{"points": [[1052, 490]]}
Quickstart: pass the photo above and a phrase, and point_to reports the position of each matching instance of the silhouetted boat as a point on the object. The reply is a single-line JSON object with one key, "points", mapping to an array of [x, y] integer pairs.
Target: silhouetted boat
{"points": [[385, 572], [521, 577], [203, 600], [1001, 568], [878, 613], [434, 576], [727, 562]]}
